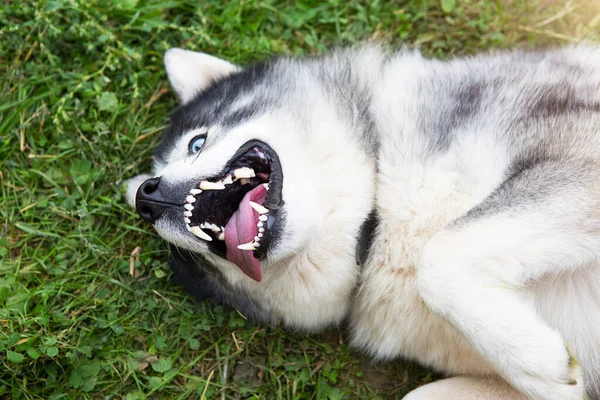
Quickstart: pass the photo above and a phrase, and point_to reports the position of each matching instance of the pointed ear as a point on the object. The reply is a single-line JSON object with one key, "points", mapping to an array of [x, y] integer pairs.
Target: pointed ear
{"points": [[191, 72]]}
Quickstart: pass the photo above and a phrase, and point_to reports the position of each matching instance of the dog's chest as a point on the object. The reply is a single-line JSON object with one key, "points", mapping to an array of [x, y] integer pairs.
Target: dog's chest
{"points": [[389, 318]]}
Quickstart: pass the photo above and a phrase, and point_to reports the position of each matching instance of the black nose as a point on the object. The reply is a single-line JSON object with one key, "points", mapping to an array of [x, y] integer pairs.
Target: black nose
{"points": [[149, 202]]}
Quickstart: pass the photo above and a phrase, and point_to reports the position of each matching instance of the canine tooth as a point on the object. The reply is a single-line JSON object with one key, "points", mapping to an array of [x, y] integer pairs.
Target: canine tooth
{"points": [[259, 209], [195, 191], [188, 207], [261, 230], [263, 218], [206, 185], [227, 180], [187, 213], [260, 225], [200, 233], [221, 236], [244, 172], [212, 227], [247, 246], [187, 220], [190, 199]]}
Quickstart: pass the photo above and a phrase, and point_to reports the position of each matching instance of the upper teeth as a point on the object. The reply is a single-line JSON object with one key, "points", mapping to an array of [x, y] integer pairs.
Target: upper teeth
{"points": [[228, 180], [244, 172], [195, 191], [200, 233], [206, 185], [259, 208], [212, 227], [247, 246]]}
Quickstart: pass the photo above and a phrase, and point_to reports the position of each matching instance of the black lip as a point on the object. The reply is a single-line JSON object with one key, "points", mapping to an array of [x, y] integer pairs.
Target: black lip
{"points": [[274, 201]]}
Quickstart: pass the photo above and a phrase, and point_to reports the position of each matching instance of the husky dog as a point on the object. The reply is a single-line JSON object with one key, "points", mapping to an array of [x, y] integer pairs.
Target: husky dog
{"points": [[448, 210]]}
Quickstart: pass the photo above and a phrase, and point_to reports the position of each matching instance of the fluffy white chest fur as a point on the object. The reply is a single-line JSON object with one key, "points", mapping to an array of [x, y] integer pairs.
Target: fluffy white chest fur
{"points": [[389, 318]]}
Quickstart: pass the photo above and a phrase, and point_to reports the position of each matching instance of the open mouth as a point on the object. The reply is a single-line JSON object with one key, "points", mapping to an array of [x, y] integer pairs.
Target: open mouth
{"points": [[236, 212]]}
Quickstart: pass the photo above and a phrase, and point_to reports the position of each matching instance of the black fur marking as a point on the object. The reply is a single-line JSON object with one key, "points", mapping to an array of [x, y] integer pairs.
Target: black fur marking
{"points": [[365, 237], [531, 182], [559, 100], [464, 103], [213, 106], [340, 81], [512, 194], [468, 100], [197, 280], [202, 280]]}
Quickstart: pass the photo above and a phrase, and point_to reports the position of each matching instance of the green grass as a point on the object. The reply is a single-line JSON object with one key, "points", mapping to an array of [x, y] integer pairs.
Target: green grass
{"points": [[83, 102]]}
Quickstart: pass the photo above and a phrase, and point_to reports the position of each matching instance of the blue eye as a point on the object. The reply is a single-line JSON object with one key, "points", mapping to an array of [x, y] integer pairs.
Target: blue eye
{"points": [[196, 144]]}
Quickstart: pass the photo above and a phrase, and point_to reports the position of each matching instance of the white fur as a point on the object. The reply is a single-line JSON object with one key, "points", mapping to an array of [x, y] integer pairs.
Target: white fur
{"points": [[133, 185]]}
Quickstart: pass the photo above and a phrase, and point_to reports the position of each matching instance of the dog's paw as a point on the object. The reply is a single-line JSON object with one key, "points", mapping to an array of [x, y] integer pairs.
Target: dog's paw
{"points": [[568, 384], [466, 388], [132, 186]]}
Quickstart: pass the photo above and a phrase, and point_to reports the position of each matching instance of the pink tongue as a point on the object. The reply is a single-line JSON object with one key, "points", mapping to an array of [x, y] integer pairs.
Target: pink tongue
{"points": [[242, 228]]}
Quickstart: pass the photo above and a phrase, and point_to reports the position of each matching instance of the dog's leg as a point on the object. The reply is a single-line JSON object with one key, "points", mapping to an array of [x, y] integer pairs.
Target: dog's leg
{"points": [[466, 388], [545, 220]]}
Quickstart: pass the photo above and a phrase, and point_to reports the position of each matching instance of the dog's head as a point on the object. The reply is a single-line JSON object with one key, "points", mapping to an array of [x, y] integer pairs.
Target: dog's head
{"points": [[264, 179]]}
